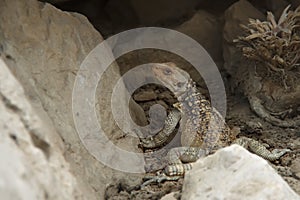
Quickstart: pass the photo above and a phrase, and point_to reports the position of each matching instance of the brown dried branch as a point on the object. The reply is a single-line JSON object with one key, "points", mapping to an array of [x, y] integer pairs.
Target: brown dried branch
{"points": [[274, 44]]}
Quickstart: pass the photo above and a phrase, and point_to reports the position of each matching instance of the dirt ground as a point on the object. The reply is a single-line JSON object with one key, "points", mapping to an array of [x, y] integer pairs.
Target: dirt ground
{"points": [[238, 114]]}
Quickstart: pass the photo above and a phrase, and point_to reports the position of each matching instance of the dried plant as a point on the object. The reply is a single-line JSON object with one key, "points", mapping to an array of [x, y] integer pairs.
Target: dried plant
{"points": [[274, 45]]}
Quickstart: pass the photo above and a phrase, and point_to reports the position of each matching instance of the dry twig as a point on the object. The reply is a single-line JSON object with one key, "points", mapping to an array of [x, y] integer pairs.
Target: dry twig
{"points": [[275, 45]]}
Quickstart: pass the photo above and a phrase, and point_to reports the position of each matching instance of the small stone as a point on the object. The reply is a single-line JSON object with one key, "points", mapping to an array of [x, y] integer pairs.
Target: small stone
{"points": [[170, 196], [286, 160], [283, 171], [295, 167], [160, 102], [165, 95], [294, 145], [298, 175], [145, 96], [254, 125]]}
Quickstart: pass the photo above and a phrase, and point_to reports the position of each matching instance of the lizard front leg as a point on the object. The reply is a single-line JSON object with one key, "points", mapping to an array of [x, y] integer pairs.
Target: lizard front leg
{"points": [[176, 168], [181, 159]]}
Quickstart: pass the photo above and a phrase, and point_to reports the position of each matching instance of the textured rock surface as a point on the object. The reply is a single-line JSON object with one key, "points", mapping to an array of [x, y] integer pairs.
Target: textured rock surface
{"points": [[295, 167], [170, 196], [234, 173], [203, 27], [237, 14], [31, 152], [165, 10], [44, 47], [206, 30], [142, 11]]}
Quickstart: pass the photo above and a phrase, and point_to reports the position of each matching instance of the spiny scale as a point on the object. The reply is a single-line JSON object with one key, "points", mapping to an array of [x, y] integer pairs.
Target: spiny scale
{"points": [[203, 128]]}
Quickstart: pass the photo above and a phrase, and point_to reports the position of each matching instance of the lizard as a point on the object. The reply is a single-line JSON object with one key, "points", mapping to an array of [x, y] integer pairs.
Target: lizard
{"points": [[162, 136], [203, 128]]}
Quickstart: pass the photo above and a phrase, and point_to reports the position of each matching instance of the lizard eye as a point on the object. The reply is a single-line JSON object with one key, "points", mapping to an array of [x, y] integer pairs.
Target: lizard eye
{"points": [[167, 71]]}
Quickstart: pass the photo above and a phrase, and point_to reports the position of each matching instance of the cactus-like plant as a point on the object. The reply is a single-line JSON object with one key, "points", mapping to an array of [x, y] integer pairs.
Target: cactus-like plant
{"points": [[275, 45]]}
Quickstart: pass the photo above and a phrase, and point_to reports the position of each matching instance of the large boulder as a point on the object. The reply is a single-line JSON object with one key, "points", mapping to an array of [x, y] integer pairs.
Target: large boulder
{"points": [[44, 47], [148, 13], [205, 28], [235, 173], [31, 151], [237, 14]]}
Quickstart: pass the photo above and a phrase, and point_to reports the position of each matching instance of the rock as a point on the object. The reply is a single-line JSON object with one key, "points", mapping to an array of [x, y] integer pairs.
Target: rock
{"points": [[295, 167], [121, 14], [297, 175], [206, 30], [283, 171], [163, 103], [56, 1], [142, 11], [294, 183], [31, 151], [157, 116], [44, 48], [165, 95], [170, 196], [295, 145], [286, 160], [145, 96], [113, 193], [276, 7], [137, 113], [237, 14], [254, 126], [234, 173]]}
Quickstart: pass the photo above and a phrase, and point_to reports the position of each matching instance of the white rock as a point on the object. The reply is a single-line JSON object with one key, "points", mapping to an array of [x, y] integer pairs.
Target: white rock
{"points": [[234, 173], [44, 47], [32, 162]]}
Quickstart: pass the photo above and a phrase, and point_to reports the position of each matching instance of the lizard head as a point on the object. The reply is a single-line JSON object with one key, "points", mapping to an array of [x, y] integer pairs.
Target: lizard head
{"points": [[174, 78]]}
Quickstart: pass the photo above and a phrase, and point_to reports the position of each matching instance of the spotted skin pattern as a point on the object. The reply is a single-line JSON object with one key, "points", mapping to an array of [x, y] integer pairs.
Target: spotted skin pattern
{"points": [[202, 127]]}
